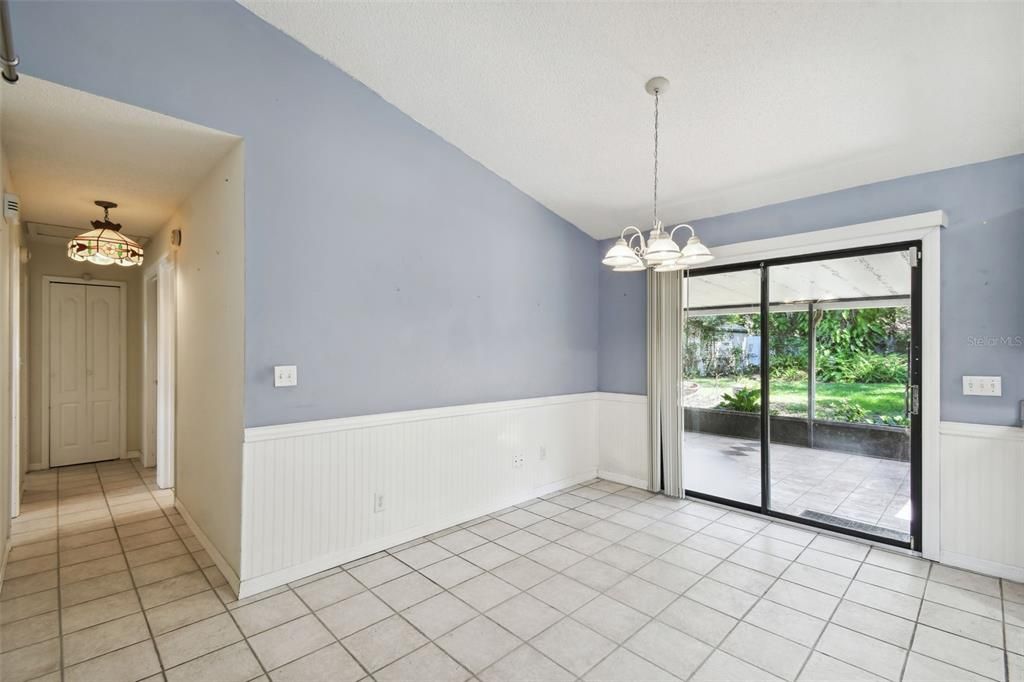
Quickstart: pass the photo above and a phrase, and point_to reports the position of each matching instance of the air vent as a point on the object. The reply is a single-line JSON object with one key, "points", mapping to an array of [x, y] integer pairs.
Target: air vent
{"points": [[12, 208]]}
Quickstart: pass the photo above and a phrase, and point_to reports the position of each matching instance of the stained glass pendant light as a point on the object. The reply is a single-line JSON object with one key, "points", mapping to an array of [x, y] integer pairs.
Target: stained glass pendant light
{"points": [[104, 244], [659, 250]]}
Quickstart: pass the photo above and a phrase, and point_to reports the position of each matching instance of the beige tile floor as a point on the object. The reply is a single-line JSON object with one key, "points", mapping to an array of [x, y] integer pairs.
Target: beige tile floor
{"points": [[598, 582]]}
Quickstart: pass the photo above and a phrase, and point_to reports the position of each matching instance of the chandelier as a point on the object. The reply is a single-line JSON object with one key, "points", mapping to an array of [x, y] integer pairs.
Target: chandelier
{"points": [[104, 244], [633, 253]]}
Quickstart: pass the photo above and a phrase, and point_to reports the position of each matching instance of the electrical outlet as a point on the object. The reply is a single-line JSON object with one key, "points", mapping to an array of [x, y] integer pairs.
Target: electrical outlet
{"points": [[990, 386], [286, 375], [378, 503], [543, 454]]}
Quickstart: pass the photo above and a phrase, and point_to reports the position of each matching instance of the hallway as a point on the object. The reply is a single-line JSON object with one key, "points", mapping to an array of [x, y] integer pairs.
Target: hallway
{"points": [[95, 547]]}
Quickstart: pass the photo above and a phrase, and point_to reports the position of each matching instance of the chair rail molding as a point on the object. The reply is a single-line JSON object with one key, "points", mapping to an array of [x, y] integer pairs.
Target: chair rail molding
{"points": [[310, 489]]}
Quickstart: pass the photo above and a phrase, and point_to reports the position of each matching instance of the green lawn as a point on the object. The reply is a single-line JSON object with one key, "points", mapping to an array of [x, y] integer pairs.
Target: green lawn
{"points": [[790, 397]]}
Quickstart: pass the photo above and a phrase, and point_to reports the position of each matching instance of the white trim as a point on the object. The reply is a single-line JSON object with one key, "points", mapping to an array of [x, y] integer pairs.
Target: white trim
{"points": [[132, 454], [14, 370], [162, 272], [218, 559], [148, 380], [255, 434], [44, 437], [623, 479], [927, 228], [3, 558], [981, 431], [267, 581], [990, 568], [621, 398], [901, 229], [931, 365]]}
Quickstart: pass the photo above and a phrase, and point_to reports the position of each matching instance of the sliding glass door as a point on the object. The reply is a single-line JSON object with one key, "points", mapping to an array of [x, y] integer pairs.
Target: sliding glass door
{"points": [[721, 385], [800, 389]]}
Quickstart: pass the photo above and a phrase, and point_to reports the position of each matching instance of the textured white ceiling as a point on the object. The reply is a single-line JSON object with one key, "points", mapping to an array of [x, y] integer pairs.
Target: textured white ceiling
{"points": [[768, 102], [67, 148]]}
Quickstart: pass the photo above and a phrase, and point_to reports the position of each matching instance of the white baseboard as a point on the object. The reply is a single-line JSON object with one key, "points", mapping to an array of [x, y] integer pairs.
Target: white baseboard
{"points": [[969, 563], [623, 479], [3, 559], [218, 559], [132, 454], [262, 583]]}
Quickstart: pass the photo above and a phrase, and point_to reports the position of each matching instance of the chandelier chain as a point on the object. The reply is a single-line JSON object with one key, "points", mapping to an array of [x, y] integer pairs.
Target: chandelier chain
{"points": [[660, 252], [656, 99]]}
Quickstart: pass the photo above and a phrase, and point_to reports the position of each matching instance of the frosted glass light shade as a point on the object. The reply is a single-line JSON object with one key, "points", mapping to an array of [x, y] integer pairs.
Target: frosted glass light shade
{"points": [[661, 248], [619, 255], [695, 252], [670, 266], [636, 266]]}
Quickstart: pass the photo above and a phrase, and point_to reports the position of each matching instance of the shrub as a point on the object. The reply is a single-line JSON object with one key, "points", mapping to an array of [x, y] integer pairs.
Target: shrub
{"points": [[842, 410], [743, 400], [788, 368], [862, 368]]}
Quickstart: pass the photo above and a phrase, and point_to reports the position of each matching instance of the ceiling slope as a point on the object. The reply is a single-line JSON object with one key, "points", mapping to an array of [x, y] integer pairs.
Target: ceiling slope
{"points": [[768, 101]]}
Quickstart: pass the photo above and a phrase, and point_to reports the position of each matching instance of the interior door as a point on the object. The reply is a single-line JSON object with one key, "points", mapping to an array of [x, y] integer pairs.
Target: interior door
{"points": [[85, 373], [102, 370]]}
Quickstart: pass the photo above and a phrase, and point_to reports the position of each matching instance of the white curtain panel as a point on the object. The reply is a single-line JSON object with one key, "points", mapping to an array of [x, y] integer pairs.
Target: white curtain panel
{"points": [[664, 419]]}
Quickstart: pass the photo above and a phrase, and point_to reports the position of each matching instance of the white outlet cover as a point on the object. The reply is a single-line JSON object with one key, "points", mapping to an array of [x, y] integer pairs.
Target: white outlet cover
{"points": [[286, 375], [981, 385]]}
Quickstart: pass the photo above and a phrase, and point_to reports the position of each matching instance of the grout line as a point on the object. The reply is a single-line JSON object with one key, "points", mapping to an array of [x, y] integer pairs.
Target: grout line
{"points": [[128, 567], [562, 616], [60, 585], [1006, 652], [331, 632]]}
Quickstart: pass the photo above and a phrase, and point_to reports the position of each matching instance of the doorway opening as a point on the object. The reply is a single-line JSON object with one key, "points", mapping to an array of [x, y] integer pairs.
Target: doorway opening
{"points": [[159, 384], [801, 389]]}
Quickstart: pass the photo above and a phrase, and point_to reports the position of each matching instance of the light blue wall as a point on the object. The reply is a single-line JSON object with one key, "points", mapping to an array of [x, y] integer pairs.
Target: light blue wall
{"points": [[332, 171], [356, 219], [982, 276]]}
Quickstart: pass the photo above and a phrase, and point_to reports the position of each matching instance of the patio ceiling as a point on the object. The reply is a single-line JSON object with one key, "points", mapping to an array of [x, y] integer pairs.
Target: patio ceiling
{"points": [[876, 280]]}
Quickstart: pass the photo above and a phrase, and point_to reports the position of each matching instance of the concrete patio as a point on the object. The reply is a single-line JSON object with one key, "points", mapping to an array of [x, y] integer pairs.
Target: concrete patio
{"points": [[861, 491]]}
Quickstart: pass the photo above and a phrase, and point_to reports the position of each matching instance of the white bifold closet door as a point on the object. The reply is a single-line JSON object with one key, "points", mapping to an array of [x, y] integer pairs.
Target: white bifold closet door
{"points": [[85, 373]]}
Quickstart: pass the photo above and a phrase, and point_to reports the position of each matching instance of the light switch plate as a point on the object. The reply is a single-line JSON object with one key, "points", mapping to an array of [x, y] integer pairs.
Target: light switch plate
{"points": [[285, 375], [990, 386]]}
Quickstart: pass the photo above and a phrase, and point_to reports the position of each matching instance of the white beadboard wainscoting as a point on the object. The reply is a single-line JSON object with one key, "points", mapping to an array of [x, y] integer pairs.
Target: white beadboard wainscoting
{"points": [[982, 498], [310, 489], [622, 438]]}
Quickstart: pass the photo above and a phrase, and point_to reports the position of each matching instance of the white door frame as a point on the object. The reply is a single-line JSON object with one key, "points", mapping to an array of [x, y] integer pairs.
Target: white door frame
{"points": [[7, 329], [123, 400], [14, 336], [926, 227], [149, 379], [163, 272]]}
